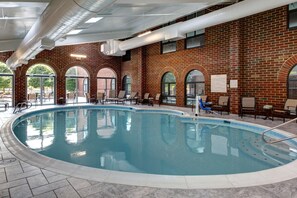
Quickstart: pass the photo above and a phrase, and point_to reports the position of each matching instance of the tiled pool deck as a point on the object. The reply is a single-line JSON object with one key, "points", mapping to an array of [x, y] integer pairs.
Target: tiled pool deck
{"points": [[21, 179]]}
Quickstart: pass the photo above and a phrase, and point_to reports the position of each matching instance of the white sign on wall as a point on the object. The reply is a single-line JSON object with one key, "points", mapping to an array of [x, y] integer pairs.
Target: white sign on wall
{"points": [[219, 83], [233, 83]]}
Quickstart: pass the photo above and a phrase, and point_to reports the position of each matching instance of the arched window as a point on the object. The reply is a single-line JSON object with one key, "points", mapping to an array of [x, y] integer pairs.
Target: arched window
{"points": [[106, 81], [77, 84], [195, 85], [41, 84], [169, 88], [6, 84], [127, 85], [292, 83]]}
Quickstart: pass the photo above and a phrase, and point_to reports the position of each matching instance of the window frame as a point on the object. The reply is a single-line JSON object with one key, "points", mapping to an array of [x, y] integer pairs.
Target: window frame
{"points": [[288, 84], [288, 17]]}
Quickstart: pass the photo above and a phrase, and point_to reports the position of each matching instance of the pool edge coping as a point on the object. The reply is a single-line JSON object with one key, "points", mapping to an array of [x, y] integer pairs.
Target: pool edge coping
{"points": [[269, 176]]}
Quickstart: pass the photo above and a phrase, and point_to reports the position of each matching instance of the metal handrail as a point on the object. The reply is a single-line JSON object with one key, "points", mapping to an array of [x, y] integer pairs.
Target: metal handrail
{"points": [[267, 130]]}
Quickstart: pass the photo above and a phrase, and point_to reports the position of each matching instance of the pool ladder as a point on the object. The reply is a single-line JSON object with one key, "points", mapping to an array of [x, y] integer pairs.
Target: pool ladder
{"points": [[280, 140]]}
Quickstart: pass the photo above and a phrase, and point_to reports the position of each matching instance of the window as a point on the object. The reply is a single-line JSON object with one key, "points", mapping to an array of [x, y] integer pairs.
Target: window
{"points": [[41, 82], [292, 15], [77, 84], [292, 83], [127, 56], [106, 81], [196, 38], [6, 84], [168, 46], [195, 85], [169, 88], [127, 85]]}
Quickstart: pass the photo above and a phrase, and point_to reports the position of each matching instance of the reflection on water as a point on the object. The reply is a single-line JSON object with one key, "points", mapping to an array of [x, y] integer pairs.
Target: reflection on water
{"points": [[147, 142]]}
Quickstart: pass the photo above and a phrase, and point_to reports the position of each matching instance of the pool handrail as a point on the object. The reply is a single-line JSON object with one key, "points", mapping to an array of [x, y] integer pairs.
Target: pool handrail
{"points": [[280, 140]]}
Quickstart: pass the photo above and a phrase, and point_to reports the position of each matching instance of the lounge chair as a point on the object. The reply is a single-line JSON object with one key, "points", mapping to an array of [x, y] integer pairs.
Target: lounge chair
{"points": [[133, 97], [100, 97], [223, 105], [248, 106], [89, 99], [120, 98], [289, 111], [145, 99], [156, 100]]}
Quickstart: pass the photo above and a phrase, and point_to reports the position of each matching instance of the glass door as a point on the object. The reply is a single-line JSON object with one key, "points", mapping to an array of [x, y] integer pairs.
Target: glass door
{"points": [[41, 89]]}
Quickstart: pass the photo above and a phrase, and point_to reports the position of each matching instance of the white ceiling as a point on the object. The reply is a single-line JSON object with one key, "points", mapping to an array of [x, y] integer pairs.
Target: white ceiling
{"points": [[123, 19]]}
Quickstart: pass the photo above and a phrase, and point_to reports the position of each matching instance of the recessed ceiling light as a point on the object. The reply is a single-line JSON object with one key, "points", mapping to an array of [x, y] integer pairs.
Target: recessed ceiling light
{"points": [[74, 32], [94, 20]]}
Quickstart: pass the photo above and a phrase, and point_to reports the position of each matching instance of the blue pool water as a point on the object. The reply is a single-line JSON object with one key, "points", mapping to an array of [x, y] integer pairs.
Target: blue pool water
{"points": [[149, 142]]}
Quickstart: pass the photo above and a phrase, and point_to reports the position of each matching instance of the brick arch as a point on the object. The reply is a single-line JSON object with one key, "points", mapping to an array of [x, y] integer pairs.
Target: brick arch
{"points": [[31, 65], [78, 64], [126, 74], [24, 68], [287, 66], [165, 70], [200, 68], [107, 66]]}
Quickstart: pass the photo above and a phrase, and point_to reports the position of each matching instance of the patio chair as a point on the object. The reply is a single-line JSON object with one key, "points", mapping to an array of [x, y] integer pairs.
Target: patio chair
{"points": [[32, 97], [223, 105], [133, 97], [89, 99], [145, 99], [71, 96], [100, 97], [289, 110], [248, 106], [157, 99], [120, 98]]}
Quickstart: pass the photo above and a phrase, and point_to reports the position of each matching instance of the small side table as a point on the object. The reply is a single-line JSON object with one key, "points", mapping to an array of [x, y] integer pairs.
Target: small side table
{"points": [[267, 109]]}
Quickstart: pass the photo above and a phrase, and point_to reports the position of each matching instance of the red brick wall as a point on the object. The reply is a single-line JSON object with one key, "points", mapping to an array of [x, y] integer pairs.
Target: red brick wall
{"points": [[258, 51], [268, 45], [60, 61]]}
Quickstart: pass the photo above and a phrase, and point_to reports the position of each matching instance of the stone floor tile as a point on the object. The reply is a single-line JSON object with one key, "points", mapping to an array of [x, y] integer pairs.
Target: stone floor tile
{"points": [[66, 192], [78, 183], [30, 168], [22, 191], [56, 178], [84, 192], [4, 193], [49, 187], [2, 178], [23, 175], [50, 194], [13, 170], [12, 184], [48, 173], [37, 180], [2, 170]]}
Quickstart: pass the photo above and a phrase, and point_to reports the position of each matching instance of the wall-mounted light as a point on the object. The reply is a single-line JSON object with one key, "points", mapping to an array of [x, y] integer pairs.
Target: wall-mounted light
{"points": [[144, 33], [78, 56]]}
